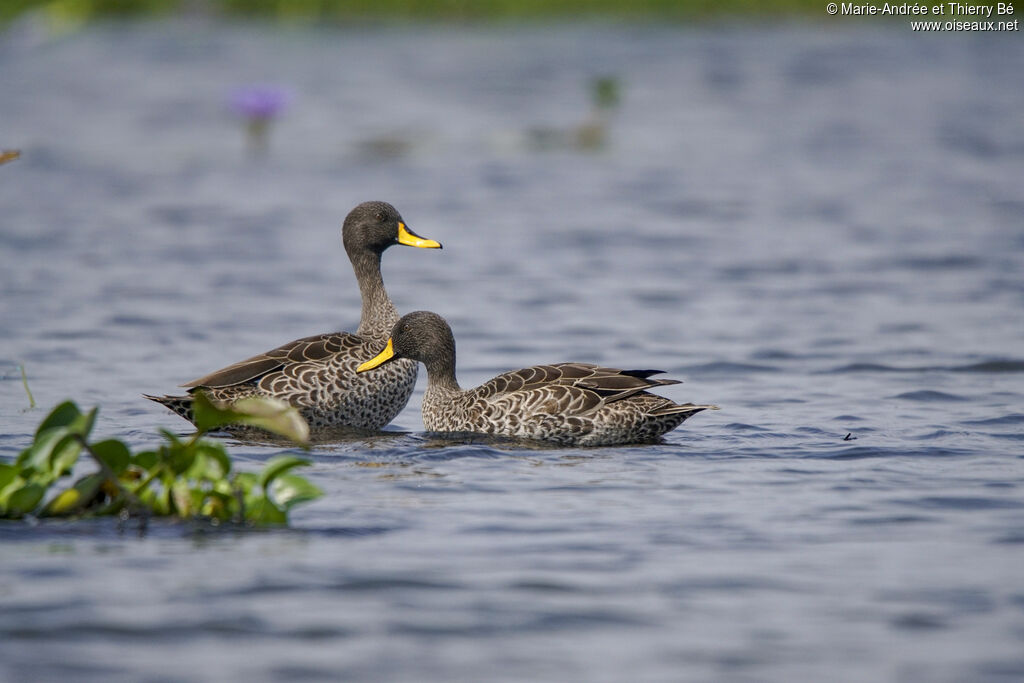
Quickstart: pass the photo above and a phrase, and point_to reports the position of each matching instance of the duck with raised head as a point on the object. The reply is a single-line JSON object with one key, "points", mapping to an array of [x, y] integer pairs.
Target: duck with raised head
{"points": [[317, 374], [577, 404]]}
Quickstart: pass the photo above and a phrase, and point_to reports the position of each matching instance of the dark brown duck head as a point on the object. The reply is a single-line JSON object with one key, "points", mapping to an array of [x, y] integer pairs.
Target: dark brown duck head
{"points": [[372, 227], [369, 229], [421, 336]]}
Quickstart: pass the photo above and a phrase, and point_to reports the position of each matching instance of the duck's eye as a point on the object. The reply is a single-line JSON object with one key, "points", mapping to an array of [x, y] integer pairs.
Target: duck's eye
{"points": [[381, 216]]}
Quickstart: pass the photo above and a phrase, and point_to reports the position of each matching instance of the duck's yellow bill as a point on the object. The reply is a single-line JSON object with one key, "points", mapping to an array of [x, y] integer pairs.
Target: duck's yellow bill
{"points": [[411, 239], [386, 354]]}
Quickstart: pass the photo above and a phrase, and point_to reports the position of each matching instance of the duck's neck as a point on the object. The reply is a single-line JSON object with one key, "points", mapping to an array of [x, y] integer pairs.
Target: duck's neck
{"points": [[441, 376], [378, 315]]}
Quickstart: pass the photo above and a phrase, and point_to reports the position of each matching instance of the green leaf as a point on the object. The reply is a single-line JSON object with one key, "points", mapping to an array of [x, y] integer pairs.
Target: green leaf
{"points": [[73, 499], [55, 449], [181, 494], [114, 455], [262, 412], [208, 416], [218, 505], [274, 416], [147, 460], [7, 474], [263, 512], [277, 466], [61, 416], [84, 424], [157, 499], [64, 455], [53, 452], [290, 490], [171, 437], [36, 457], [24, 500], [246, 481], [180, 459], [211, 464], [185, 478], [8, 489], [244, 485], [223, 486]]}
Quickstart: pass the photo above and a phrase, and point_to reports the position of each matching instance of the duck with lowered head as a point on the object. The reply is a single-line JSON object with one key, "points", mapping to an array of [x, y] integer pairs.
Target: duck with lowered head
{"points": [[576, 404]]}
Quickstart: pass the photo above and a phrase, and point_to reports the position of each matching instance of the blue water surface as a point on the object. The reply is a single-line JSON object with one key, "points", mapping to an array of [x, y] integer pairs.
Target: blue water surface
{"points": [[818, 228]]}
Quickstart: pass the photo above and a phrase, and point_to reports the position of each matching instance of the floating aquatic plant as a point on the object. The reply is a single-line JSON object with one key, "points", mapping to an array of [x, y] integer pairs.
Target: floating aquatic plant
{"points": [[592, 133], [258, 106], [9, 155], [182, 478], [604, 97], [604, 92]]}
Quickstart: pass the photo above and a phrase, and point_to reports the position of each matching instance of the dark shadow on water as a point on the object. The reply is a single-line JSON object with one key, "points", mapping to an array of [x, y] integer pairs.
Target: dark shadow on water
{"points": [[115, 529], [435, 440], [927, 395], [317, 437], [418, 445]]}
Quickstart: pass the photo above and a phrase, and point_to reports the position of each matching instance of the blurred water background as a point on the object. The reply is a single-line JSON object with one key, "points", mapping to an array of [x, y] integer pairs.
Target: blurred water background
{"points": [[819, 227]]}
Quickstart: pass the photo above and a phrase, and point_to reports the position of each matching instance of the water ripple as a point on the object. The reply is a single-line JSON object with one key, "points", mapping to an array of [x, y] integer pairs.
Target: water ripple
{"points": [[928, 396]]}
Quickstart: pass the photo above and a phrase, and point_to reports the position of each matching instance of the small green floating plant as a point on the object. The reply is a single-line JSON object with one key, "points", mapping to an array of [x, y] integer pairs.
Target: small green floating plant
{"points": [[184, 479]]}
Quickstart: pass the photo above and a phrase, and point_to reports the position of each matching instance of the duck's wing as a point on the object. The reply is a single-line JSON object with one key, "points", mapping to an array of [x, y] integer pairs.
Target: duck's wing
{"points": [[305, 350], [612, 384], [607, 384]]}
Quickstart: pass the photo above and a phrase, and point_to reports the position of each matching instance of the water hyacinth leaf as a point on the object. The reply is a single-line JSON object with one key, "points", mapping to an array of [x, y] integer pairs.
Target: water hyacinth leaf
{"points": [[263, 511], [181, 478], [7, 474], [84, 424], [78, 496], [211, 463], [218, 505], [265, 413], [201, 469], [157, 499], [60, 443], [181, 495], [68, 416], [180, 458], [114, 455], [24, 500], [223, 487], [8, 489], [246, 481], [277, 466], [199, 496], [274, 416], [146, 459], [171, 437], [64, 455], [61, 416], [35, 457], [52, 452], [207, 415], [289, 490]]}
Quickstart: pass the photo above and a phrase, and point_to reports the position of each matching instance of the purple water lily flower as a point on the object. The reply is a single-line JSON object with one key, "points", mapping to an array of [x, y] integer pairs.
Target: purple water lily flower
{"points": [[259, 105], [260, 101]]}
